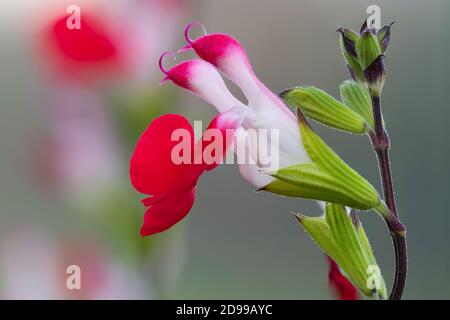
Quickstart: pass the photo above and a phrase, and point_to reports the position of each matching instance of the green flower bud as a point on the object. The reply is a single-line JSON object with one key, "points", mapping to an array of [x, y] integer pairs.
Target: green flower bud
{"points": [[357, 98], [363, 53], [322, 107], [341, 236]]}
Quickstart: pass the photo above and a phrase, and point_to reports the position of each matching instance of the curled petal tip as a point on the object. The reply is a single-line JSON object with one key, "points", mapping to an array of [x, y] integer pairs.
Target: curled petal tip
{"points": [[161, 67], [185, 48], [188, 28]]}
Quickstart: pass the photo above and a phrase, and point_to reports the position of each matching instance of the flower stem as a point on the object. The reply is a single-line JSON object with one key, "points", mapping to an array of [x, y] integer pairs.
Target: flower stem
{"points": [[381, 145]]}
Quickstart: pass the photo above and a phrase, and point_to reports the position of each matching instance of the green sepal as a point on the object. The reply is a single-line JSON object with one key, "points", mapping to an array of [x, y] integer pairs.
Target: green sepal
{"points": [[327, 178], [360, 190], [312, 182], [375, 76], [284, 188], [368, 49], [367, 249], [357, 98], [347, 41], [384, 36], [322, 107], [347, 244]]}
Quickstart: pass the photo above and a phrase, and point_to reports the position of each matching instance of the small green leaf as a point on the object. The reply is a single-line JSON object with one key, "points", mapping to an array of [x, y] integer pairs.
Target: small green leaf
{"points": [[368, 49], [322, 107], [358, 99], [347, 244]]}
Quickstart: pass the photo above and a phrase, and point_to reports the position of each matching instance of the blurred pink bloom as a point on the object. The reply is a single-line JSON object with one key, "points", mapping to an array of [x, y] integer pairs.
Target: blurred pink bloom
{"points": [[82, 152], [34, 267]]}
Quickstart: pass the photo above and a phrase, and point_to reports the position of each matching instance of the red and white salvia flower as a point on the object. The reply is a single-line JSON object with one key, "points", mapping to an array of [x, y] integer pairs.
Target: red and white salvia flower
{"points": [[171, 185], [220, 52]]}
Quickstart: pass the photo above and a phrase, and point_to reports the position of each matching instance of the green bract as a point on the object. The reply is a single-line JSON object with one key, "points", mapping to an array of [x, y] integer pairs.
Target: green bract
{"points": [[322, 107], [345, 241], [327, 178]]}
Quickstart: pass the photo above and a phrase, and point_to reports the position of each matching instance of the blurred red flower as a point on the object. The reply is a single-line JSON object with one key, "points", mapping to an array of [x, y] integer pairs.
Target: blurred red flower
{"points": [[82, 52]]}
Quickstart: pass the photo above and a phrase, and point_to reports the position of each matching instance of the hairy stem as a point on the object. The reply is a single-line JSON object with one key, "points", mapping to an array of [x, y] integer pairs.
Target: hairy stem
{"points": [[381, 145]]}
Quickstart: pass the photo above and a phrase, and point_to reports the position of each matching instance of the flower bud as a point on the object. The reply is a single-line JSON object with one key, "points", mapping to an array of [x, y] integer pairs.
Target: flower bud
{"points": [[322, 107], [341, 236], [357, 98], [364, 55]]}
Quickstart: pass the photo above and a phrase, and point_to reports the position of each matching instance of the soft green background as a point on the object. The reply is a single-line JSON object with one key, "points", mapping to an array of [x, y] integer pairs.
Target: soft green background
{"points": [[247, 245]]}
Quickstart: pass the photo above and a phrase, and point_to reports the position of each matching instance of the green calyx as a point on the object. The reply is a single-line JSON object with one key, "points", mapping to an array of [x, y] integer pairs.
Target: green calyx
{"points": [[342, 237], [357, 98], [327, 178], [322, 107]]}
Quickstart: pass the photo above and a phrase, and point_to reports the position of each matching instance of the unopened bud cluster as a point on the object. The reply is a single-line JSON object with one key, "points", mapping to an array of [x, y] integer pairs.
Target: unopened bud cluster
{"points": [[364, 54]]}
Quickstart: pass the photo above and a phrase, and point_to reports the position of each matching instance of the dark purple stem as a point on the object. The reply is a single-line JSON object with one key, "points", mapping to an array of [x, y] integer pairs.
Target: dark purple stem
{"points": [[381, 145]]}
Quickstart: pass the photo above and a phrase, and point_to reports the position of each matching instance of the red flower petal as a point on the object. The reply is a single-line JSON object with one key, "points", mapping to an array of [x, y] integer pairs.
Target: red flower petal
{"points": [[166, 212], [172, 186], [152, 170], [343, 288]]}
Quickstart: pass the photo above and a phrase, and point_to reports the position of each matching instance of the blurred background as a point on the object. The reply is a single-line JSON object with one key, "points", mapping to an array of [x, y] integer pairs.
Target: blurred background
{"points": [[71, 110]]}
